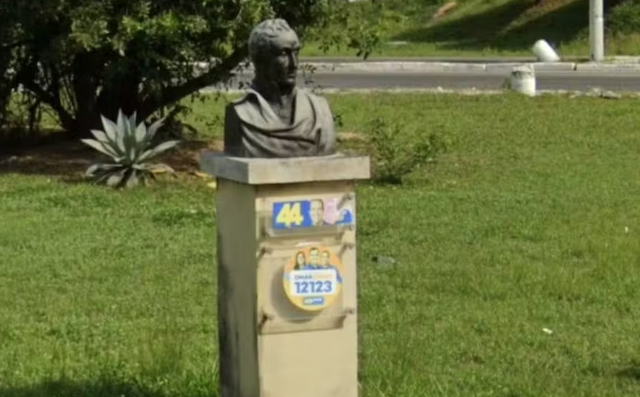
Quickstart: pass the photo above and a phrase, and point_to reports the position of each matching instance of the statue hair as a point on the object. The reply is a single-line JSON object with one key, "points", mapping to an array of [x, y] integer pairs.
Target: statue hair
{"points": [[262, 36]]}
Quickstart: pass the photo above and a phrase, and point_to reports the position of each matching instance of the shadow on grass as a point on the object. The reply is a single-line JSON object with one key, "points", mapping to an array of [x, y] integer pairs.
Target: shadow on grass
{"points": [[631, 372], [470, 30], [64, 388], [563, 25], [490, 29]]}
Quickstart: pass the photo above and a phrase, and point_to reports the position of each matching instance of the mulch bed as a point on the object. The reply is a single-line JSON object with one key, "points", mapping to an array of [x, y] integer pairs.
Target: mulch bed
{"points": [[73, 158]]}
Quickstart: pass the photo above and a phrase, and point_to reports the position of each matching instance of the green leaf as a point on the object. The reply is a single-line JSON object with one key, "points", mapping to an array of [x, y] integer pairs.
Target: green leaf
{"points": [[131, 149], [115, 180], [161, 167], [142, 166], [122, 125], [100, 136], [131, 179], [120, 141], [99, 146], [141, 133], [110, 129], [120, 133], [103, 177], [163, 147], [153, 129], [96, 169], [155, 168], [132, 141], [132, 122]]}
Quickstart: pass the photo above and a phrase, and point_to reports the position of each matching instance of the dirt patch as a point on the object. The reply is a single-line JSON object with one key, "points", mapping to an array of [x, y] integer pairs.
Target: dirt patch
{"points": [[72, 159], [444, 10], [351, 137], [539, 9]]}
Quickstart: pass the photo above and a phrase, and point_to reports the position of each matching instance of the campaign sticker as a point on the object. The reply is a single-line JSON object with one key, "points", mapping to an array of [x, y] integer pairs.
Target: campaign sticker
{"points": [[310, 213], [312, 279]]}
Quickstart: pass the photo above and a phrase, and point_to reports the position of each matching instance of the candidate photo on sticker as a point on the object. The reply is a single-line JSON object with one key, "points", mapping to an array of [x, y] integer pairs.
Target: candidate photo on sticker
{"points": [[316, 212], [326, 264], [326, 212], [314, 259], [301, 261]]}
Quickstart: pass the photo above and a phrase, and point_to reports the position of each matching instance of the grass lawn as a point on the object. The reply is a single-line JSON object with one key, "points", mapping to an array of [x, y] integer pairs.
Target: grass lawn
{"points": [[516, 274], [491, 28]]}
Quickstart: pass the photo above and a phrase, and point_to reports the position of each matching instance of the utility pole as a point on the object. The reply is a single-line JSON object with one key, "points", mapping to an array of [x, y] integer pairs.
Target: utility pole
{"points": [[596, 30]]}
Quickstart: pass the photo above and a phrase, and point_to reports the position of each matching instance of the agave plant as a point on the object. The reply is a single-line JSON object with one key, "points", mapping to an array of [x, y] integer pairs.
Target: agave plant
{"points": [[129, 147]]}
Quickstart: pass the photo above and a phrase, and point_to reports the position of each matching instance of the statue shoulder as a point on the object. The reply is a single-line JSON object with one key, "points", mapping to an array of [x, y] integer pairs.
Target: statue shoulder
{"points": [[243, 108], [244, 100], [318, 101]]}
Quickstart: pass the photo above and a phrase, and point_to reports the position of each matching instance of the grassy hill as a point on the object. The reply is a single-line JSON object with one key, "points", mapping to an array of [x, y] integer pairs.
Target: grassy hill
{"points": [[502, 27]]}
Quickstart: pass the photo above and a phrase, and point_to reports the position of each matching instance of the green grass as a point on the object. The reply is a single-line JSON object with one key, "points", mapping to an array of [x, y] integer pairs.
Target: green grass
{"points": [[103, 293], [531, 221], [492, 28]]}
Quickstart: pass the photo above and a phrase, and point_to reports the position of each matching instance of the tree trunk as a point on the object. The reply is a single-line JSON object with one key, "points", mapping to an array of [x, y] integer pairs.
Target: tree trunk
{"points": [[121, 93]]}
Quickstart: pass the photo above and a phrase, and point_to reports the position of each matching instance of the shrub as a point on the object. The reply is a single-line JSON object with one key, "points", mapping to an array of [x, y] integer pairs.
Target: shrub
{"points": [[130, 149], [625, 18], [396, 153], [21, 121]]}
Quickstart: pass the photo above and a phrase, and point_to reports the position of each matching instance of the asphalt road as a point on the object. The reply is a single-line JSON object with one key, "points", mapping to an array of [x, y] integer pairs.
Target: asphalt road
{"points": [[547, 80]]}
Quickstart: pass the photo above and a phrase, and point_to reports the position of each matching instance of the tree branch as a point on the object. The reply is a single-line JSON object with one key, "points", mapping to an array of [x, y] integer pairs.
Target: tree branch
{"points": [[173, 94], [7, 47], [66, 119]]}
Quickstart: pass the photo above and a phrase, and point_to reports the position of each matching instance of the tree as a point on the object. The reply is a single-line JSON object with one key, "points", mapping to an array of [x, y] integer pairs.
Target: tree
{"points": [[84, 58], [6, 81]]}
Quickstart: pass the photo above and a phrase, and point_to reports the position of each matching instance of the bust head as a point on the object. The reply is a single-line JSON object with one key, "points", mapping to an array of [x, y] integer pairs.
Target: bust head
{"points": [[274, 48]]}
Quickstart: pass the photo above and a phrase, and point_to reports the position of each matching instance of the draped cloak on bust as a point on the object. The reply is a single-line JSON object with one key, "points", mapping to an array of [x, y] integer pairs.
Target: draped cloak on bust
{"points": [[253, 129]]}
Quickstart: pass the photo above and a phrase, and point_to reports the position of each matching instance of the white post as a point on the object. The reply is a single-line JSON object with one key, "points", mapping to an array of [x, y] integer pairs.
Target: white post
{"points": [[596, 30], [523, 80]]}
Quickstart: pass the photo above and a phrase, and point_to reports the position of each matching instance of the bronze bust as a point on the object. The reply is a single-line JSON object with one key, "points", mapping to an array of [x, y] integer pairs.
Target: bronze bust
{"points": [[275, 119]]}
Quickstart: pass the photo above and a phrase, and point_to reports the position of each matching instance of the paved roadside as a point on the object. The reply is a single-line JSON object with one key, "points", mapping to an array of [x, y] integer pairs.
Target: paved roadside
{"points": [[452, 66], [462, 65], [476, 59], [483, 80], [431, 59]]}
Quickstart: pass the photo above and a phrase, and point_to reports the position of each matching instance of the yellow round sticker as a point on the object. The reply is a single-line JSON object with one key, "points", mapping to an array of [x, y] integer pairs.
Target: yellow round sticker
{"points": [[312, 279]]}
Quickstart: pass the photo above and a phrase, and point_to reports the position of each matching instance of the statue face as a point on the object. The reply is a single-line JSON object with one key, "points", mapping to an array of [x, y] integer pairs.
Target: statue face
{"points": [[282, 65]]}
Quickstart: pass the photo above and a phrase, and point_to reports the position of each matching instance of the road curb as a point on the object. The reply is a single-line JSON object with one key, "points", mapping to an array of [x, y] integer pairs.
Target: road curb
{"points": [[537, 66], [451, 67], [456, 91], [608, 67]]}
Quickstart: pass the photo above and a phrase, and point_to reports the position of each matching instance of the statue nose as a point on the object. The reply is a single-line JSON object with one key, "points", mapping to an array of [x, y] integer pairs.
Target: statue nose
{"points": [[293, 62]]}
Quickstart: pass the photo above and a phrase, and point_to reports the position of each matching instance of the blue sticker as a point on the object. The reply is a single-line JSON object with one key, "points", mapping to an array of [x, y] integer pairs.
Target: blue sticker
{"points": [[291, 214], [310, 213], [317, 301]]}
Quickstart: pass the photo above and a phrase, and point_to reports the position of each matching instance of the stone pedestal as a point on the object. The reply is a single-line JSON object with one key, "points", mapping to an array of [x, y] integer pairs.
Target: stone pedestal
{"points": [[287, 298]]}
